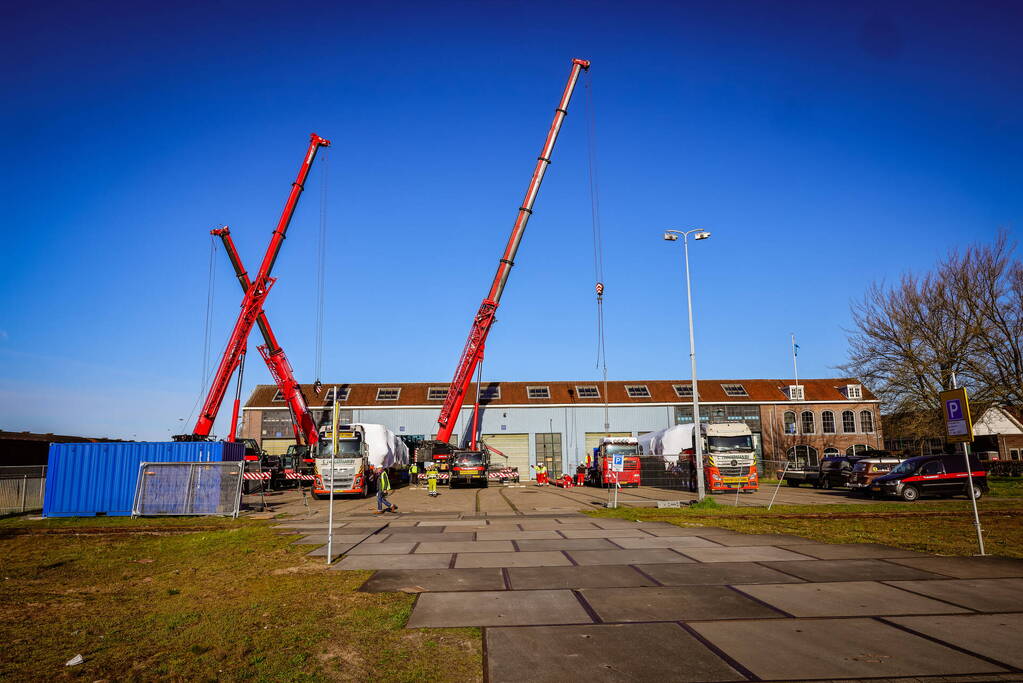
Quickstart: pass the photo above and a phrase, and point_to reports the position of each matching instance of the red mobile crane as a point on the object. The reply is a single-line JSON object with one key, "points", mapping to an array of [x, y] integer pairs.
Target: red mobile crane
{"points": [[484, 319], [252, 307]]}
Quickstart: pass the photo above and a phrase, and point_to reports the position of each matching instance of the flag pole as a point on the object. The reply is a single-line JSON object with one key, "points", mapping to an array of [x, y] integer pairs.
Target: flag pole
{"points": [[795, 352]]}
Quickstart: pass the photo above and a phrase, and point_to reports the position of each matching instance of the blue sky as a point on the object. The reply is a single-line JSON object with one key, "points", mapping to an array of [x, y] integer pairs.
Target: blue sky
{"points": [[825, 146]]}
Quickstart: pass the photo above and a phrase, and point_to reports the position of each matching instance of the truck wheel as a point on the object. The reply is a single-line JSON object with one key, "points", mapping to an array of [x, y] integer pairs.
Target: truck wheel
{"points": [[910, 494], [792, 482], [977, 493]]}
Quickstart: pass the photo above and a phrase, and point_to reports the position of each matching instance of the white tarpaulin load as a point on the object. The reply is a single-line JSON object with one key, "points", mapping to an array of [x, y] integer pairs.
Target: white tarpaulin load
{"points": [[383, 447], [668, 442]]}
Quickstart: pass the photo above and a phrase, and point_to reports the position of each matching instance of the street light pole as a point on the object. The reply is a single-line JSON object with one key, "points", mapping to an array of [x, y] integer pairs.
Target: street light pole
{"points": [[673, 235]]}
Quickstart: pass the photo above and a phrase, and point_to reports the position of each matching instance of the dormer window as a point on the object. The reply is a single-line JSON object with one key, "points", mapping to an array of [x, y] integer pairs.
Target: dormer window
{"points": [[342, 394], [854, 392], [278, 397], [637, 391], [734, 390], [796, 392], [587, 392], [436, 393], [388, 393], [538, 392], [683, 390]]}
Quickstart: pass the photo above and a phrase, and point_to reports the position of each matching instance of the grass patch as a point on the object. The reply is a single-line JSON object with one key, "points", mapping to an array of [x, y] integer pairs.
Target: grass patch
{"points": [[944, 528], [237, 602], [1005, 487]]}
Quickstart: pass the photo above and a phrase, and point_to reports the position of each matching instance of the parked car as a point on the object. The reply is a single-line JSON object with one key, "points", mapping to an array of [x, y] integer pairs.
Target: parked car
{"points": [[837, 469], [865, 471], [938, 475]]}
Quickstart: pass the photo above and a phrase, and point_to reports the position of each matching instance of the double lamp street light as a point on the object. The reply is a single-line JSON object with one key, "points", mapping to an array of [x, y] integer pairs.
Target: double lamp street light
{"points": [[672, 236]]}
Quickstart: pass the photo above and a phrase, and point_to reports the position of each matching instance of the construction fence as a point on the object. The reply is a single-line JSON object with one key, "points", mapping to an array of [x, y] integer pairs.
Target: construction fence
{"points": [[22, 489]]}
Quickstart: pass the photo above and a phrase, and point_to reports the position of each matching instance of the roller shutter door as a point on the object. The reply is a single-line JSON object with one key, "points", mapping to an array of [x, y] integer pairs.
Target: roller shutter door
{"points": [[593, 440], [277, 446], [516, 447]]}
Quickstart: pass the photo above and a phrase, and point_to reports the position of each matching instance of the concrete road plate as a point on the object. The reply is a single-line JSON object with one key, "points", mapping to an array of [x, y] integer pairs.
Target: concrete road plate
{"points": [[762, 539], [845, 599], [536, 578], [430, 538], [567, 544], [715, 573], [335, 552], [966, 567], [983, 595], [636, 556], [466, 547], [417, 530], [764, 553], [434, 580], [614, 524], [850, 570], [627, 652], [666, 542], [498, 608], [853, 551], [317, 539], [991, 635], [834, 648], [550, 558], [673, 604], [383, 549], [441, 561], [453, 523], [673, 530], [604, 533], [510, 535], [551, 525]]}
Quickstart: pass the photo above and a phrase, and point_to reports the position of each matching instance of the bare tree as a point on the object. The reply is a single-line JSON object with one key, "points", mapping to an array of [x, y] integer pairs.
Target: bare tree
{"points": [[964, 317]]}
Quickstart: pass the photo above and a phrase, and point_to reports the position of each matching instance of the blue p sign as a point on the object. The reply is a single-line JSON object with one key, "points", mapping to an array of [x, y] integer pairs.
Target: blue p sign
{"points": [[954, 409]]}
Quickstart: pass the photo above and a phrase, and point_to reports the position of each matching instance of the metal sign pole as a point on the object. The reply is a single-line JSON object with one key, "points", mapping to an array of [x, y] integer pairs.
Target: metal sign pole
{"points": [[333, 455], [966, 439], [776, 488]]}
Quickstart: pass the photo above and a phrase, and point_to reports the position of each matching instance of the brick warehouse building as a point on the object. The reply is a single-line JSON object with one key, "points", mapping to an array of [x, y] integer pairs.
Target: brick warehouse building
{"points": [[559, 422]]}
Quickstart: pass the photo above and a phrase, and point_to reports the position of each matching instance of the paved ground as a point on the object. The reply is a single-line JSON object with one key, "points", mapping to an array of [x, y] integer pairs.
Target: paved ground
{"points": [[528, 498], [566, 597]]}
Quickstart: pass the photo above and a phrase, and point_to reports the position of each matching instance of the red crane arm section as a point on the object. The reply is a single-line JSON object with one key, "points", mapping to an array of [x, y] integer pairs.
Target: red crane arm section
{"points": [[280, 369], [255, 295], [484, 319]]}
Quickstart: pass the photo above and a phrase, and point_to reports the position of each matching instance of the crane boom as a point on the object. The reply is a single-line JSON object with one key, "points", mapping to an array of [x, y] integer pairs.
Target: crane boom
{"points": [[276, 361], [255, 295], [484, 319]]}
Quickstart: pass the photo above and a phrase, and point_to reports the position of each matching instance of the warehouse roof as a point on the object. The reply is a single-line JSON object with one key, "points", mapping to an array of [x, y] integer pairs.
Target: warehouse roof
{"points": [[390, 394]]}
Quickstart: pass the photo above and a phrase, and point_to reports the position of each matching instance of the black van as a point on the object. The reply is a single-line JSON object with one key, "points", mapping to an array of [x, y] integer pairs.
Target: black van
{"points": [[938, 475]]}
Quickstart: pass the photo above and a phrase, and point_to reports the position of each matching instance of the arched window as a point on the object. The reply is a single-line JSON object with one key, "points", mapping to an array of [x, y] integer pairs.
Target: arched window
{"points": [[856, 449], [828, 422], [806, 419], [848, 422], [866, 422], [830, 452], [803, 456], [790, 422]]}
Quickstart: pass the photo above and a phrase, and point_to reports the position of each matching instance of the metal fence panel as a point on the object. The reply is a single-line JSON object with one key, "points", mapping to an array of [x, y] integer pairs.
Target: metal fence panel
{"points": [[188, 488], [22, 488]]}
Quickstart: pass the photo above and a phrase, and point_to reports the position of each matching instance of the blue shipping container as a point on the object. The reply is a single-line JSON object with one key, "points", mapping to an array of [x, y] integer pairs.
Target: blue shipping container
{"points": [[86, 479]]}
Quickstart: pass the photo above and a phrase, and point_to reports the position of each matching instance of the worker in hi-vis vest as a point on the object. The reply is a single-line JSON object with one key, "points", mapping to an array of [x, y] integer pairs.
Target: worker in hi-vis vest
{"points": [[431, 481], [413, 475]]}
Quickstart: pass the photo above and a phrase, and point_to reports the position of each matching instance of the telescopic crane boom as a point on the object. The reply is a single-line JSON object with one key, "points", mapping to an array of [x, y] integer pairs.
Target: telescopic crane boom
{"points": [[484, 319], [255, 295], [276, 361]]}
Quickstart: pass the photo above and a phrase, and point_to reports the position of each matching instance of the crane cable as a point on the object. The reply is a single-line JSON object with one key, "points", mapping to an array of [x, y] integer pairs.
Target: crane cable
{"points": [[321, 266], [598, 239], [207, 334]]}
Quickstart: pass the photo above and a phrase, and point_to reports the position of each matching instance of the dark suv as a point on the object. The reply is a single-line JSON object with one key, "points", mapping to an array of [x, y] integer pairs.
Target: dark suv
{"points": [[938, 475], [836, 469]]}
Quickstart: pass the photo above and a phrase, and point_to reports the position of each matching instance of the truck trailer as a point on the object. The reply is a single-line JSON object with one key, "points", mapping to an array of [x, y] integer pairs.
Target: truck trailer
{"points": [[360, 447], [729, 457]]}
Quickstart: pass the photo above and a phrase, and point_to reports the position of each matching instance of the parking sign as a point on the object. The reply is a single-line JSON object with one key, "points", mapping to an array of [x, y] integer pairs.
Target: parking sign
{"points": [[956, 411], [617, 462]]}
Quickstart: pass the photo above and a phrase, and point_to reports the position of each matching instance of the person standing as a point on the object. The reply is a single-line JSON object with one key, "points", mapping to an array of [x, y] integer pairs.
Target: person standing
{"points": [[383, 488], [413, 475], [431, 482]]}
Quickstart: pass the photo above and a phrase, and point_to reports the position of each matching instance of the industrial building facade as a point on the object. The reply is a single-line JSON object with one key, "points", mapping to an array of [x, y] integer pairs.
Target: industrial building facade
{"points": [[558, 423]]}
